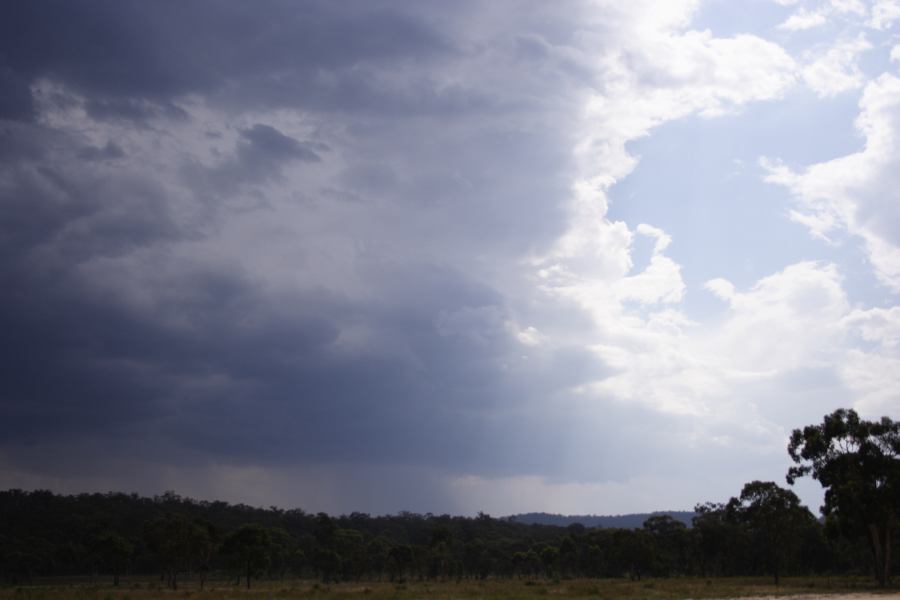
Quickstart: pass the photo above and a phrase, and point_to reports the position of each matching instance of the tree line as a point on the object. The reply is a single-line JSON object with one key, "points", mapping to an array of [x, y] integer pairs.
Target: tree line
{"points": [[763, 529]]}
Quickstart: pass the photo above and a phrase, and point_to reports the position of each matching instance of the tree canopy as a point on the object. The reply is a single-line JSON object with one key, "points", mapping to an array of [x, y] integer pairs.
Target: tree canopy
{"points": [[858, 464], [773, 517]]}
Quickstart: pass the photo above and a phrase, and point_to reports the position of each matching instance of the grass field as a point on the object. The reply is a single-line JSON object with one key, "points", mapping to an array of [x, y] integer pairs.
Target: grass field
{"points": [[648, 589]]}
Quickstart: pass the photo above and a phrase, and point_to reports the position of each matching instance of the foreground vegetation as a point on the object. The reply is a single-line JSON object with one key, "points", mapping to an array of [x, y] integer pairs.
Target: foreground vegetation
{"points": [[499, 589], [762, 531]]}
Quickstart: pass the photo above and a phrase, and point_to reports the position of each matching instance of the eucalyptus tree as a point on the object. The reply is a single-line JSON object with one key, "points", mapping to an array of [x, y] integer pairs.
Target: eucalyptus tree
{"points": [[858, 464], [250, 548], [180, 544], [773, 517], [114, 550], [670, 538]]}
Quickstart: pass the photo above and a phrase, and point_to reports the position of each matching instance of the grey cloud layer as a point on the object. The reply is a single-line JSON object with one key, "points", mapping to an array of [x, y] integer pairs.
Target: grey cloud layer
{"points": [[122, 52], [146, 310], [293, 234]]}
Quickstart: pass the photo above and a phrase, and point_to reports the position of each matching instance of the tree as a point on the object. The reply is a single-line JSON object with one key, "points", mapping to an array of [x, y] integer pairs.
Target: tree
{"points": [[328, 563], [249, 546], [351, 547], [177, 541], [858, 464], [636, 551], [439, 549], [568, 555], [204, 541], [401, 557], [114, 550], [377, 551], [19, 567], [550, 558], [670, 539], [712, 534], [773, 517]]}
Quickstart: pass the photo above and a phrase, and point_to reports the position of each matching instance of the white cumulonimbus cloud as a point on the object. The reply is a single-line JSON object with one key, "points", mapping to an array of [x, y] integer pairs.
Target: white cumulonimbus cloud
{"points": [[857, 193]]}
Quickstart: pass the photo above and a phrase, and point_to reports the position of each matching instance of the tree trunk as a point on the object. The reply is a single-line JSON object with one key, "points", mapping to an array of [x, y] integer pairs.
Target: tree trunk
{"points": [[881, 568], [248, 575], [887, 550]]}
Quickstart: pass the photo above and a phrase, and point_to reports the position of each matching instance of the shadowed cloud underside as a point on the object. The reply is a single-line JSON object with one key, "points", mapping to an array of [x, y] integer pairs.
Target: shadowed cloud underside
{"points": [[412, 255]]}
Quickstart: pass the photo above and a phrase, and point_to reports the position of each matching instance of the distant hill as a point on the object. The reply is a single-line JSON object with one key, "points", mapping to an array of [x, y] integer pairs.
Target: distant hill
{"points": [[632, 521]]}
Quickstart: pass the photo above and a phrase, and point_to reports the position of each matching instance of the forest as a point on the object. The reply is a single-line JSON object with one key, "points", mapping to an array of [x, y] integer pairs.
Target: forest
{"points": [[762, 530]]}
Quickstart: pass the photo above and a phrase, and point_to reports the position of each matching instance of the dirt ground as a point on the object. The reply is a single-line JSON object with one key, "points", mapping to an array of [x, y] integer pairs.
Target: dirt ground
{"points": [[867, 596]]}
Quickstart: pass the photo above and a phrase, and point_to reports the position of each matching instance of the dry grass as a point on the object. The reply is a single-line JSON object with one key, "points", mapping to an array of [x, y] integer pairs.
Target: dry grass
{"points": [[494, 589]]}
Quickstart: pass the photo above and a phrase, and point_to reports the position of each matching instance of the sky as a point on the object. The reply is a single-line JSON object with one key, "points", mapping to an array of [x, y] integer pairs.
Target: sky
{"points": [[370, 255]]}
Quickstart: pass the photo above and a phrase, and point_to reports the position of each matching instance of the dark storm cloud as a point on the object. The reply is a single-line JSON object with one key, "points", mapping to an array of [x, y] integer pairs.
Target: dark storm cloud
{"points": [[110, 151], [22, 142], [68, 365], [263, 149], [261, 153], [131, 109], [15, 101], [122, 54], [83, 365], [267, 141], [61, 211], [149, 317]]}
